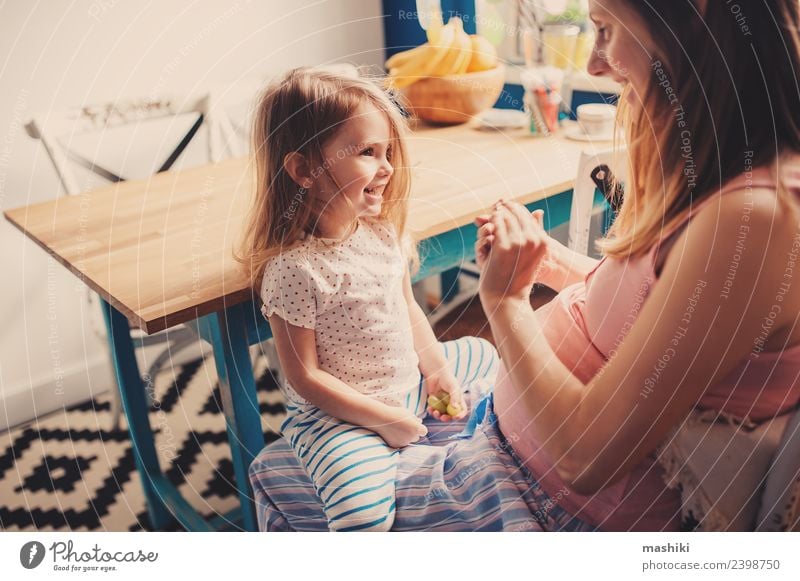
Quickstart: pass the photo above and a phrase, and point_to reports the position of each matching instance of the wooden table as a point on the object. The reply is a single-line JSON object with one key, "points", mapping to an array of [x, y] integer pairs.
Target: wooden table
{"points": [[159, 253]]}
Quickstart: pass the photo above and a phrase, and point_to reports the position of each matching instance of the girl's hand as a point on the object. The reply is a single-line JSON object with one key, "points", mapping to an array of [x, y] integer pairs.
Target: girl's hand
{"points": [[516, 255], [486, 237], [445, 381], [399, 427]]}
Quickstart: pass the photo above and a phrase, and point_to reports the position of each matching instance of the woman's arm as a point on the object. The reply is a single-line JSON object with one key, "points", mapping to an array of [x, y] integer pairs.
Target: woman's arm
{"points": [[560, 266], [565, 266], [297, 352], [687, 336]]}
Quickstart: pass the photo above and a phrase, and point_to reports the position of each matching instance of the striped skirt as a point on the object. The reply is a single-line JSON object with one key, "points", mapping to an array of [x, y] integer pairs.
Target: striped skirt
{"points": [[464, 476], [353, 470]]}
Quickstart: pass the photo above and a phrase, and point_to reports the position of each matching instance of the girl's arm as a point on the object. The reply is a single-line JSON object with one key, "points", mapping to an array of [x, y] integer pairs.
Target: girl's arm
{"points": [[432, 362], [297, 352], [560, 265], [687, 336], [431, 358]]}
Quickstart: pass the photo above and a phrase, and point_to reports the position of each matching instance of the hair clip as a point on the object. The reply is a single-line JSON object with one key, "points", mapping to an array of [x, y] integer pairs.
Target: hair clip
{"points": [[392, 97]]}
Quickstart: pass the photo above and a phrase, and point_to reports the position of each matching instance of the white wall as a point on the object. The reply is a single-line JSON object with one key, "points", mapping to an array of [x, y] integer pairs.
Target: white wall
{"points": [[55, 55]]}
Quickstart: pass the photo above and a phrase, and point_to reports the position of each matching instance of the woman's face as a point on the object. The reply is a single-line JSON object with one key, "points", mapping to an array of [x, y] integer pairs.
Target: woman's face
{"points": [[622, 48]]}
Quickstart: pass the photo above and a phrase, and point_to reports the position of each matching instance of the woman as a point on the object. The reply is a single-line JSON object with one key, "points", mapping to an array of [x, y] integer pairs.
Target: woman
{"points": [[693, 305], [679, 313]]}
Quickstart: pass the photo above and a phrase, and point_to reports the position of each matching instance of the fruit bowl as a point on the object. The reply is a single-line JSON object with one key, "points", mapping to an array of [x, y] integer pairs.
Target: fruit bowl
{"points": [[453, 99]]}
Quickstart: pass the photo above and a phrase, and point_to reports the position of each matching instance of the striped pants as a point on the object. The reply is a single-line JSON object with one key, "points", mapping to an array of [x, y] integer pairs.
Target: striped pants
{"points": [[352, 469]]}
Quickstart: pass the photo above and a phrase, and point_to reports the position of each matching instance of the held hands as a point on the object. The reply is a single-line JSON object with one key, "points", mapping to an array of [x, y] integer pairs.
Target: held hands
{"points": [[513, 250], [400, 427], [445, 399]]}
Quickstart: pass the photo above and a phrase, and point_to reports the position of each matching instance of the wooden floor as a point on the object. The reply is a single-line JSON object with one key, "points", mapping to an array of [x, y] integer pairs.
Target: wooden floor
{"points": [[468, 319]]}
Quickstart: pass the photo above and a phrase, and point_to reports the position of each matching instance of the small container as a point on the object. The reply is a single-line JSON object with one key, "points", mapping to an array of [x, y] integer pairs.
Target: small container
{"points": [[583, 49], [596, 119], [542, 98], [559, 42], [532, 46]]}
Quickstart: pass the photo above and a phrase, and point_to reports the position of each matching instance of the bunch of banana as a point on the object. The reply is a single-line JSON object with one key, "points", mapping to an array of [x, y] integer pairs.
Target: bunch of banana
{"points": [[449, 51]]}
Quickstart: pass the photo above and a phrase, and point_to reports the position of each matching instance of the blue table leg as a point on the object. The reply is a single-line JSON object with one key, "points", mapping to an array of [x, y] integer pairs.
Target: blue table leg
{"points": [[134, 403], [450, 284], [227, 333]]}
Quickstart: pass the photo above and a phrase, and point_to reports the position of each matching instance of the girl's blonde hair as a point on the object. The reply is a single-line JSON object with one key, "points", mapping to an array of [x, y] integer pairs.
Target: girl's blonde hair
{"points": [[722, 99], [300, 113]]}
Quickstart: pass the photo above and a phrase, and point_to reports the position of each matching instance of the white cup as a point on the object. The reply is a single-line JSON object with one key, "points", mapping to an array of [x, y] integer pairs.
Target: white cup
{"points": [[596, 118]]}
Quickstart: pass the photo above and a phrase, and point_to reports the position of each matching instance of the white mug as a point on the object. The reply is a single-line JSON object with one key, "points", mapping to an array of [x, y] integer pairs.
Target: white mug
{"points": [[596, 118]]}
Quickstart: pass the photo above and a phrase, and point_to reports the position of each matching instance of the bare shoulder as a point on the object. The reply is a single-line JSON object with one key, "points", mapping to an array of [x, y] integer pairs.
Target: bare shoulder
{"points": [[758, 205], [747, 239], [748, 243], [752, 217]]}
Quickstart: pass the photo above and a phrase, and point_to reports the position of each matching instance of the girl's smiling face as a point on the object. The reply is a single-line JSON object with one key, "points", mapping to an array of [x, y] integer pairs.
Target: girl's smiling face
{"points": [[359, 156]]}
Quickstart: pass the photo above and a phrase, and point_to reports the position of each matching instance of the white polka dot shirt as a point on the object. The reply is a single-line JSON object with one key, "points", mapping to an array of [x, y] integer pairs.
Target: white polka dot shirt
{"points": [[351, 293]]}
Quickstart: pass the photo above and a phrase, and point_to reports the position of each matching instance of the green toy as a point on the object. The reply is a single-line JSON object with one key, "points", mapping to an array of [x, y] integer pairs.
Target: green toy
{"points": [[441, 403]]}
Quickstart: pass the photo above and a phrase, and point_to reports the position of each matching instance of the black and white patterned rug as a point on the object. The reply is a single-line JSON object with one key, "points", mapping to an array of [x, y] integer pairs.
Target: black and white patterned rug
{"points": [[68, 471]]}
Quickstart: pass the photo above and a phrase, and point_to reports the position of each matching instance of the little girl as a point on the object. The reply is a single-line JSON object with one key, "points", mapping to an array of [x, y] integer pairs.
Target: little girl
{"points": [[326, 244]]}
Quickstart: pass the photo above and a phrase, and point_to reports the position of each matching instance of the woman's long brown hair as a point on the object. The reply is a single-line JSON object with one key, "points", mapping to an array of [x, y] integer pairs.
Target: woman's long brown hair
{"points": [[724, 97]]}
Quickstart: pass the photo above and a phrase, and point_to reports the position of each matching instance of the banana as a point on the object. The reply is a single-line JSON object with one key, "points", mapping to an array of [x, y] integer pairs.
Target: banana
{"points": [[449, 51], [401, 58], [423, 63], [434, 27], [453, 56], [483, 54], [465, 51]]}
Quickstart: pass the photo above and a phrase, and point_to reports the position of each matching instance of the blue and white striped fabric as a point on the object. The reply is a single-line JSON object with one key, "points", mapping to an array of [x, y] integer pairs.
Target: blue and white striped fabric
{"points": [[352, 469], [471, 484], [474, 483]]}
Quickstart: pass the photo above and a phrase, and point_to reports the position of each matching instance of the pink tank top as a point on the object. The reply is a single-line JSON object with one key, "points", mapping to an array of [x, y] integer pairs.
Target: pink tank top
{"points": [[584, 324]]}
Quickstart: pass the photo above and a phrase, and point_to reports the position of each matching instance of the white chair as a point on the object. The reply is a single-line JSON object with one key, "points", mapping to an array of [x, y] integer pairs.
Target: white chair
{"points": [[231, 107], [593, 174], [780, 499], [59, 132]]}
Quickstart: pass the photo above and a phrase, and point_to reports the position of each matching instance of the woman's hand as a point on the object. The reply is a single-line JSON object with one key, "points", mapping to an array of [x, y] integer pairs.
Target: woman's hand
{"points": [[486, 236], [445, 381], [512, 251], [399, 427]]}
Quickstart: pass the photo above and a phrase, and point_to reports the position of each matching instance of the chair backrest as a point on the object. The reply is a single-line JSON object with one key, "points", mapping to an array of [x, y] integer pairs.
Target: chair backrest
{"points": [[58, 129], [780, 499], [592, 175], [231, 107]]}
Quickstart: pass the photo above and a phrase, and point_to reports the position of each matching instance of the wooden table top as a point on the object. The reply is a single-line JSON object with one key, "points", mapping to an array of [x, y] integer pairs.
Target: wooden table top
{"points": [[160, 250]]}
